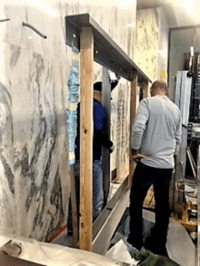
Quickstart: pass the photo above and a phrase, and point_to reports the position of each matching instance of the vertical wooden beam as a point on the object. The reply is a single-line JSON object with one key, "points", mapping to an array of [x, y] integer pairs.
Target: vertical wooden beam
{"points": [[133, 102], [146, 92], [106, 103], [86, 136]]}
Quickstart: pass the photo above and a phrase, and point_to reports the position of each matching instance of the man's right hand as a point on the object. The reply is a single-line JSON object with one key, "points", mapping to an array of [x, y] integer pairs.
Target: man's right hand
{"points": [[136, 155], [139, 156]]}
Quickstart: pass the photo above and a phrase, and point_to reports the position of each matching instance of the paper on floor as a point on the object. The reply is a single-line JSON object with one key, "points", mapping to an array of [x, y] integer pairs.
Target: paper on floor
{"points": [[120, 252]]}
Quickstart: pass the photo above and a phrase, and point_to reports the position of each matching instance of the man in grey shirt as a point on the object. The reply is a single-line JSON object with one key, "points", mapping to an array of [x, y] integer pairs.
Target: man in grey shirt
{"points": [[155, 139]]}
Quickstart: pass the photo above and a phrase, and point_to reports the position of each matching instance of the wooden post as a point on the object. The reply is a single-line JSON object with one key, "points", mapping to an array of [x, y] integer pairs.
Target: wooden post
{"points": [[146, 90], [106, 94], [133, 102], [86, 136]]}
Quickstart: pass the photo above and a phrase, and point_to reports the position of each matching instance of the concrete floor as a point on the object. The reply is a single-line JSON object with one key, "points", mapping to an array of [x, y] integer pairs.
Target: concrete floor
{"points": [[64, 239], [123, 230]]}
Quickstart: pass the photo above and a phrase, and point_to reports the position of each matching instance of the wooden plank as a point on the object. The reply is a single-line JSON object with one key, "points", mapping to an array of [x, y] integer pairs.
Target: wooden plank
{"points": [[106, 103], [133, 102], [146, 92], [189, 225], [86, 136]]}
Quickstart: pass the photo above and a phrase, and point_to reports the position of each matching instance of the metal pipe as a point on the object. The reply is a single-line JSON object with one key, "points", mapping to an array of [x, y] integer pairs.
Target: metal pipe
{"points": [[3, 20], [34, 29]]}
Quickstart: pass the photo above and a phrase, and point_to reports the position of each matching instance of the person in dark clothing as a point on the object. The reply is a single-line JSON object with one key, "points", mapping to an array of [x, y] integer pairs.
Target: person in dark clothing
{"points": [[99, 140]]}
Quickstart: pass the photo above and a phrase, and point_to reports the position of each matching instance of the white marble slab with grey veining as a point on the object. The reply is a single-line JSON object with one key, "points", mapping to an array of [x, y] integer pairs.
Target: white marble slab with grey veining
{"points": [[34, 174]]}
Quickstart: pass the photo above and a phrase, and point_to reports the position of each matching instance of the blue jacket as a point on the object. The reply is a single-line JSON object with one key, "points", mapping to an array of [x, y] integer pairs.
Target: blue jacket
{"points": [[99, 139]]}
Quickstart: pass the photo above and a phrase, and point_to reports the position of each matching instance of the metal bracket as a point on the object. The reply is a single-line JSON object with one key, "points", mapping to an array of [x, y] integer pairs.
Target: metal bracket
{"points": [[72, 34], [106, 52]]}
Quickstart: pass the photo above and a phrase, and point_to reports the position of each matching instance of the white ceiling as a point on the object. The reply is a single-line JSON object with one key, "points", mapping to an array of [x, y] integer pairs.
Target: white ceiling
{"points": [[179, 13]]}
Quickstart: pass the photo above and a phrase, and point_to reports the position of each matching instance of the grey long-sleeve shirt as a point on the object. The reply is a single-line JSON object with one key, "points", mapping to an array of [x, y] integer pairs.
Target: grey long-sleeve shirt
{"points": [[156, 131]]}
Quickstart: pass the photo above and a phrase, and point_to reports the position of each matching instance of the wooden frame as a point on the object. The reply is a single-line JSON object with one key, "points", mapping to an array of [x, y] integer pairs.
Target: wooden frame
{"points": [[83, 32]]}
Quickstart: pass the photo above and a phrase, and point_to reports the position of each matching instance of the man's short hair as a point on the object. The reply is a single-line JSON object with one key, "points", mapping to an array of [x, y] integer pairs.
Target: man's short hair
{"points": [[159, 84]]}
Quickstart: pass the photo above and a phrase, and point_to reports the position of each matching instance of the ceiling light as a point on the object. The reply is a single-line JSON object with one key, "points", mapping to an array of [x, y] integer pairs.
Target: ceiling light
{"points": [[189, 5]]}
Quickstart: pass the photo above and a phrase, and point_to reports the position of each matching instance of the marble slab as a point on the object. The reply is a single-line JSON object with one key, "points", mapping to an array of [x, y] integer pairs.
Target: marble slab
{"points": [[147, 41], [35, 184]]}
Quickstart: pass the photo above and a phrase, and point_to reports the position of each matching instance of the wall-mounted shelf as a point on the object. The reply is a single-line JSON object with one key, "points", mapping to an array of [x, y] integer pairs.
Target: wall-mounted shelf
{"points": [[106, 52]]}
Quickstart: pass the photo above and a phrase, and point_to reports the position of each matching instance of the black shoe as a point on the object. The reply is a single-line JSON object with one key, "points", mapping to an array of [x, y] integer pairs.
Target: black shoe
{"points": [[154, 248], [136, 245], [157, 251]]}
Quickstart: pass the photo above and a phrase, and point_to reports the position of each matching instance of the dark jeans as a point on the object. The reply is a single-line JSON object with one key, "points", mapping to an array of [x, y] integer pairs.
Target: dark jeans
{"points": [[143, 178]]}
